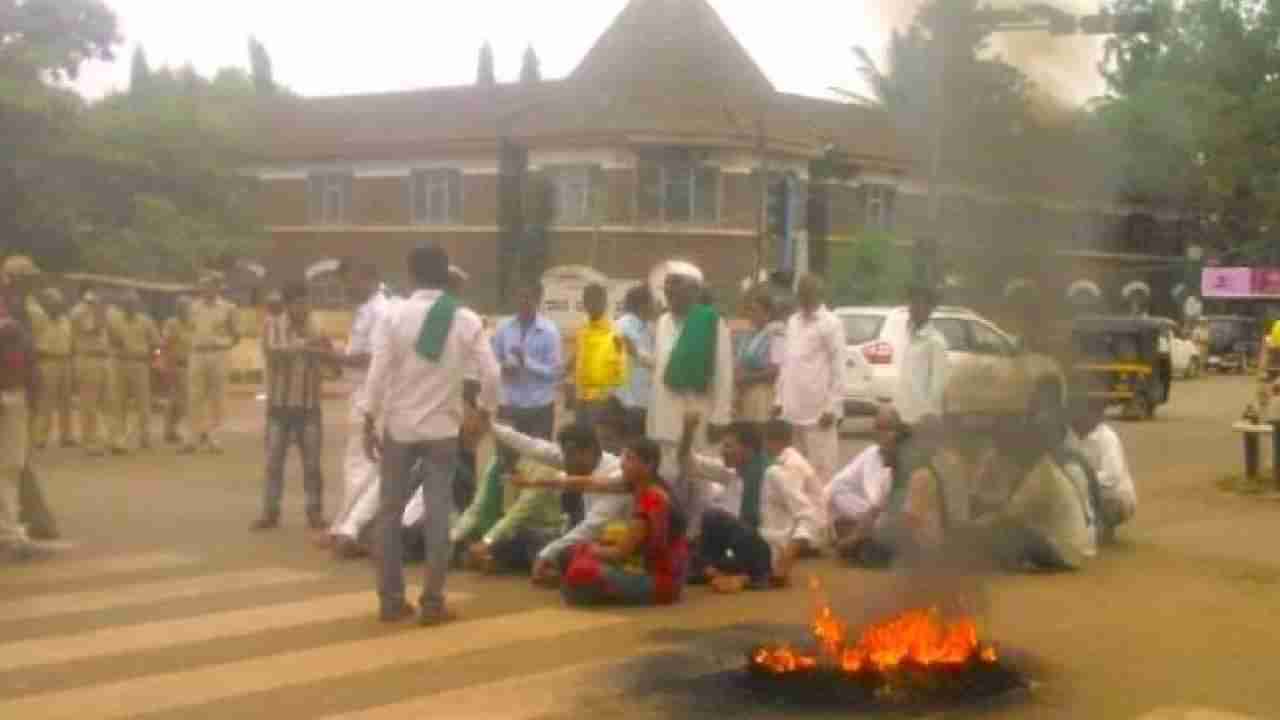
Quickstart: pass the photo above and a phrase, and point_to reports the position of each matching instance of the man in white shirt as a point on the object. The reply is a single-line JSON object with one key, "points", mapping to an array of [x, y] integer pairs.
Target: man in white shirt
{"points": [[713, 403], [858, 495], [422, 349], [580, 453], [1048, 522], [1118, 497], [922, 379], [359, 473], [760, 517], [811, 380]]}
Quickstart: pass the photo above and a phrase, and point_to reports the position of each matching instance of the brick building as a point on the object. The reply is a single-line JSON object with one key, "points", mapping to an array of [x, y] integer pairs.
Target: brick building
{"points": [[652, 147], [667, 140]]}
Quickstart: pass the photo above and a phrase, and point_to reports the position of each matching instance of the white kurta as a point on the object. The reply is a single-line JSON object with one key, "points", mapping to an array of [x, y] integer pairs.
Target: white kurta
{"points": [[668, 408]]}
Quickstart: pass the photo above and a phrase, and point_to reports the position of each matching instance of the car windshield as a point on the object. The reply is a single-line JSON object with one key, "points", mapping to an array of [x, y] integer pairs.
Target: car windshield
{"points": [[859, 329]]}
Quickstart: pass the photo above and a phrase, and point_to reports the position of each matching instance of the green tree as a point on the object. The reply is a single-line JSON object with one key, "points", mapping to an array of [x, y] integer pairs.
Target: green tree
{"points": [[869, 268], [1193, 107], [484, 70], [531, 67], [260, 66], [42, 43]]}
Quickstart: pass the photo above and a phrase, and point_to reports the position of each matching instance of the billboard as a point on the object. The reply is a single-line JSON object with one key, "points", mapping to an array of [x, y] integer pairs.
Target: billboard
{"points": [[1241, 282]]}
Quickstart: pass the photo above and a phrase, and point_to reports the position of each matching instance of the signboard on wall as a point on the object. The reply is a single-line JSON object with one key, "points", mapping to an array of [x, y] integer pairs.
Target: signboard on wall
{"points": [[562, 294], [1241, 282]]}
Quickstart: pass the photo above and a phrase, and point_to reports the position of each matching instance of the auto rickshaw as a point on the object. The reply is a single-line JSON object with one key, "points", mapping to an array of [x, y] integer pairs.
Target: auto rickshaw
{"points": [[1120, 358]]}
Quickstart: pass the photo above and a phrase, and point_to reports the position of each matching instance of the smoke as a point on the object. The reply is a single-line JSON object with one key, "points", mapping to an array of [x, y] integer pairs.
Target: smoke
{"points": [[1062, 67]]}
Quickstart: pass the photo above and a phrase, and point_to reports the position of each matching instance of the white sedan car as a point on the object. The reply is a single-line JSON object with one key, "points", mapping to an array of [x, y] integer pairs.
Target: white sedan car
{"points": [[989, 373]]}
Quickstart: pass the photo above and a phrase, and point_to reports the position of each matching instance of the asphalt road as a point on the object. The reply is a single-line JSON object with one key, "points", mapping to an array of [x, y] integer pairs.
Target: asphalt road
{"points": [[165, 606]]}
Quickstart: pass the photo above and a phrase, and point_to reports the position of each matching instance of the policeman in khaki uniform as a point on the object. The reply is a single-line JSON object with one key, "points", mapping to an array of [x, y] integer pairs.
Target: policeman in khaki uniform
{"points": [[51, 334], [92, 349], [134, 337], [177, 340], [213, 334]]}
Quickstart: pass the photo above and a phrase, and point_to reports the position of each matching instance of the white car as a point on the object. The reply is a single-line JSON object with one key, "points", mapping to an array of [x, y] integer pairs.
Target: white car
{"points": [[989, 373]]}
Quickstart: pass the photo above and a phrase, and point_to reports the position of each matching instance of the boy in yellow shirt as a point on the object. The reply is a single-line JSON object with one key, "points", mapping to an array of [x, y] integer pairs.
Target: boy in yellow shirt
{"points": [[600, 357]]}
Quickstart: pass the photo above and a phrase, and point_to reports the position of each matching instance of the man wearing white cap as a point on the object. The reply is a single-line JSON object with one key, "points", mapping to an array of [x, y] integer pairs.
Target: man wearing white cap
{"points": [[693, 375]]}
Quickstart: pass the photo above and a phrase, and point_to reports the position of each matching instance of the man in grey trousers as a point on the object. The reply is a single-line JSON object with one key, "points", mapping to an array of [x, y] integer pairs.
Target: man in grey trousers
{"points": [[423, 349]]}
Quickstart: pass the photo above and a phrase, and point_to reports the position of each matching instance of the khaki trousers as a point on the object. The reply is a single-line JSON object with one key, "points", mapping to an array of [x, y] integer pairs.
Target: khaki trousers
{"points": [[133, 378], [207, 389], [93, 376], [55, 398], [14, 439], [178, 399]]}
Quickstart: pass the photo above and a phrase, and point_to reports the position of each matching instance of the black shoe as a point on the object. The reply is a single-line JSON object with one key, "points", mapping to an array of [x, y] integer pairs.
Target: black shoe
{"points": [[266, 522], [397, 614]]}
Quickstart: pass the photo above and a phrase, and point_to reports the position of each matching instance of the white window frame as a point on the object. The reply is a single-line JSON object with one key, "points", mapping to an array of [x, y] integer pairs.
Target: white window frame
{"points": [[424, 184], [666, 171], [878, 210], [334, 203], [565, 178]]}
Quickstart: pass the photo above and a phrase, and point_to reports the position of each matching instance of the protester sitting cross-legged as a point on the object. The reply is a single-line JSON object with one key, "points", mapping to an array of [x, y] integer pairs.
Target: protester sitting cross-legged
{"points": [[858, 495], [779, 438], [759, 517], [1116, 497], [1048, 521], [507, 525], [579, 452], [912, 522], [646, 564]]}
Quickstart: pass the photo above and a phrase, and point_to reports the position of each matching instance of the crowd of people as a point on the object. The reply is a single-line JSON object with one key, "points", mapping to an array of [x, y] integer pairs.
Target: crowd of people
{"points": [[677, 460]]}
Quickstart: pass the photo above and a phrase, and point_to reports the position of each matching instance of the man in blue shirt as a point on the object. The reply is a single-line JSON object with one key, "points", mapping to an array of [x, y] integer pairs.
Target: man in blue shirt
{"points": [[528, 349]]}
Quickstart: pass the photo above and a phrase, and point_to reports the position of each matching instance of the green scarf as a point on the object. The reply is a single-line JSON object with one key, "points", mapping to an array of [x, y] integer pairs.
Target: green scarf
{"points": [[692, 363], [435, 328], [753, 489]]}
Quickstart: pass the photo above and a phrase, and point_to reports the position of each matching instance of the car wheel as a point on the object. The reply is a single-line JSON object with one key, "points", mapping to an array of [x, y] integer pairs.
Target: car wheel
{"points": [[1140, 407]]}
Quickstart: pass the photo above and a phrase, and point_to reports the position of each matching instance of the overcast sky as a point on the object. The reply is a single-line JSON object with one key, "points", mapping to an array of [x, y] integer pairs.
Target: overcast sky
{"points": [[331, 47]]}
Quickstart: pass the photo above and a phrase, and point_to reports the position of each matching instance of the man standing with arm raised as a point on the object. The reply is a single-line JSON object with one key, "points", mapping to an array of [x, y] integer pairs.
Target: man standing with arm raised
{"points": [[422, 349]]}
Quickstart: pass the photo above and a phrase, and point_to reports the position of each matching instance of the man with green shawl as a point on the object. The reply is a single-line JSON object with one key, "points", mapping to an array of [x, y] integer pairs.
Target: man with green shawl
{"points": [[693, 375]]}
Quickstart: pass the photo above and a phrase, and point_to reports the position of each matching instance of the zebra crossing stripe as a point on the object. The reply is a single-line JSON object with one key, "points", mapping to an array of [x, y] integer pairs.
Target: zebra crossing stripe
{"points": [[56, 571], [554, 692], [190, 688], [37, 606], [120, 640]]}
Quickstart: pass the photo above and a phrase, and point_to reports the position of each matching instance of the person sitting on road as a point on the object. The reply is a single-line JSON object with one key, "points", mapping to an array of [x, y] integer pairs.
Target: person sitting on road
{"points": [[579, 452], [507, 525], [1048, 521], [350, 532], [779, 436], [760, 517], [645, 564], [858, 495], [1117, 498]]}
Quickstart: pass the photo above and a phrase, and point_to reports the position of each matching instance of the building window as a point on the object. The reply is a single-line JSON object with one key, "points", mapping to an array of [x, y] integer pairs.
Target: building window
{"points": [[329, 198], [674, 189], [573, 187], [436, 197], [879, 206]]}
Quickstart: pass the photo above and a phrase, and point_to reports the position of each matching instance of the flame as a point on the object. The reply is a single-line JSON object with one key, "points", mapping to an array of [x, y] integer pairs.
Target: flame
{"points": [[921, 637]]}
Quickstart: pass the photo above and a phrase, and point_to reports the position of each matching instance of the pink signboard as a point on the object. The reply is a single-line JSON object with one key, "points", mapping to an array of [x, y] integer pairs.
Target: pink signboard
{"points": [[1227, 282], [1266, 282]]}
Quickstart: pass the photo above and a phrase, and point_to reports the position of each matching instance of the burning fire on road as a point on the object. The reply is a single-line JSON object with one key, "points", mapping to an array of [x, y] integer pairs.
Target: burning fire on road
{"points": [[916, 656]]}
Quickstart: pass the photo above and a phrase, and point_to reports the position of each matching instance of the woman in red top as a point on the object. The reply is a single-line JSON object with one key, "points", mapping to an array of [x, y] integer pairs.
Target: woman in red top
{"points": [[647, 565]]}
